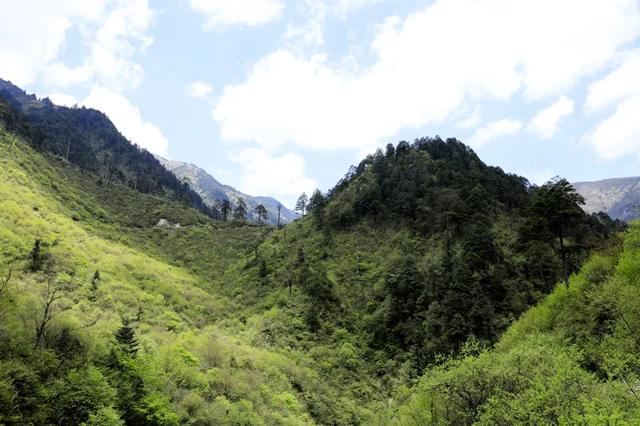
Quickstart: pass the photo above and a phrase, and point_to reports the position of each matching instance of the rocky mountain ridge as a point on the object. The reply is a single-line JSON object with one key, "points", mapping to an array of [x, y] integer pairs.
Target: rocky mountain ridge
{"points": [[618, 197], [211, 190]]}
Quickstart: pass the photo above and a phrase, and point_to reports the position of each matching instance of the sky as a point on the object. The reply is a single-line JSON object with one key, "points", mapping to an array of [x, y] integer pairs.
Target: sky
{"points": [[277, 97]]}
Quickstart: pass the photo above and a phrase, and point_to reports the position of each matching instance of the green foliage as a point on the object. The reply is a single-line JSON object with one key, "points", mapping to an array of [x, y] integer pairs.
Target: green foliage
{"points": [[105, 416], [573, 359], [261, 213], [195, 359], [486, 264], [322, 322], [80, 394], [125, 336]]}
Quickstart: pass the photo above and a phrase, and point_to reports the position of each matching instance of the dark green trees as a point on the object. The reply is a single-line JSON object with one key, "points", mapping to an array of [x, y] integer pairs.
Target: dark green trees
{"points": [[36, 256], [261, 213], [5, 279], [95, 280], [404, 287], [302, 203], [317, 201], [490, 243], [555, 213], [126, 338], [312, 279], [240, 210], [225, 209]]}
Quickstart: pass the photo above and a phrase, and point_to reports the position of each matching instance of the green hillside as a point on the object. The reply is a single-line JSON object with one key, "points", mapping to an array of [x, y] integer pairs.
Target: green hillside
{"points": [[573, 359], [108, 271], [120, 307]]}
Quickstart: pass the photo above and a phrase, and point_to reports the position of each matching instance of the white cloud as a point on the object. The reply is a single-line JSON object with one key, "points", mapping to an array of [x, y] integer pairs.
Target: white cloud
{"points": [[343, 7], [494, 130], [32, 35], [424, 71], [310, 33], [280, 176], [199, 90], [221, 13], [616, 86], [128, 120], [113, 46], [546, 122], [619, 134], [113, 31]]}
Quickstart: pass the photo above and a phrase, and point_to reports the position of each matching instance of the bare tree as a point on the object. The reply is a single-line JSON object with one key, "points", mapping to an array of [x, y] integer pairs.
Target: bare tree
{"points": [[4, 283], [48, 311], [279, 210]]}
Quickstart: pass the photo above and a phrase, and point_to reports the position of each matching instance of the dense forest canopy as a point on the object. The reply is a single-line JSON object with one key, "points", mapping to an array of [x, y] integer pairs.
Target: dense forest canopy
{"points": [[573, 359], [494, 243]]}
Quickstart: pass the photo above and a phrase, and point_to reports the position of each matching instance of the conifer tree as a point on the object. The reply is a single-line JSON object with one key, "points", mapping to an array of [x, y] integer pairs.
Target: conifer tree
{"points": [[302, 203], [95, 281], [240, 210], [225, 209], [126, 338], [261, 213]]}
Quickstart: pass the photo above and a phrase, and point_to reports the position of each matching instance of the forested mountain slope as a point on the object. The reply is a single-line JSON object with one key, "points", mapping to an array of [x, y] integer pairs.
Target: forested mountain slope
{"points": [[88, 139], [423, 247], [109, 319], [573, 359], [212, 192]]}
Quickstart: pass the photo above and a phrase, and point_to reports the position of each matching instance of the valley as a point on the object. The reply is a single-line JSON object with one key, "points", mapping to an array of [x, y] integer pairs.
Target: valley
{"points": [[425, 288]]}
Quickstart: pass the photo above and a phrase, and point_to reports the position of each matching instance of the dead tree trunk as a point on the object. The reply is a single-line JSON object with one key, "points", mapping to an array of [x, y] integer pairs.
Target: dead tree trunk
{"points": [[51, 296]]}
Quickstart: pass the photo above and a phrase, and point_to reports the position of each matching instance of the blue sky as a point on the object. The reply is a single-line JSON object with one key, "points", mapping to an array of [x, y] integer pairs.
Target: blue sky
{"points": [[277, 97]]}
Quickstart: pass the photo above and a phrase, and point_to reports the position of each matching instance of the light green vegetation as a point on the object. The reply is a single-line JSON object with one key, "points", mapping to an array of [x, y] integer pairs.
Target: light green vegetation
{"points": [[200, 359], [108, 319]]}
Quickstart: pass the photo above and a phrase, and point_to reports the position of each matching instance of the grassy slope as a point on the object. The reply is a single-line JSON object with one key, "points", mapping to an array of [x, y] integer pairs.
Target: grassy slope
{"points": [[204, 358], [573, 359]]}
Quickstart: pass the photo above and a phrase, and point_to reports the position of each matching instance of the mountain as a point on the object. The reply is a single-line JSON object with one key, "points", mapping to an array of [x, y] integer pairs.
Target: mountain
{"points": [[88, 139], [414, 264], [619, 198], [211, 191], [572, 359]]}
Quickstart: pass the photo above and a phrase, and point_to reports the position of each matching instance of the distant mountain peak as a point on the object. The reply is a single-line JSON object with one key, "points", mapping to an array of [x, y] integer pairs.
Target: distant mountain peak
{"points": [[618, 197], [212, 190]]}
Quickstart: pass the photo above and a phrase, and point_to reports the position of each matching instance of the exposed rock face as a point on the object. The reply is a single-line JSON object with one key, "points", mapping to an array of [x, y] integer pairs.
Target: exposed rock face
{"points": [[619, 197], [211, 190], [164, 223]]}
